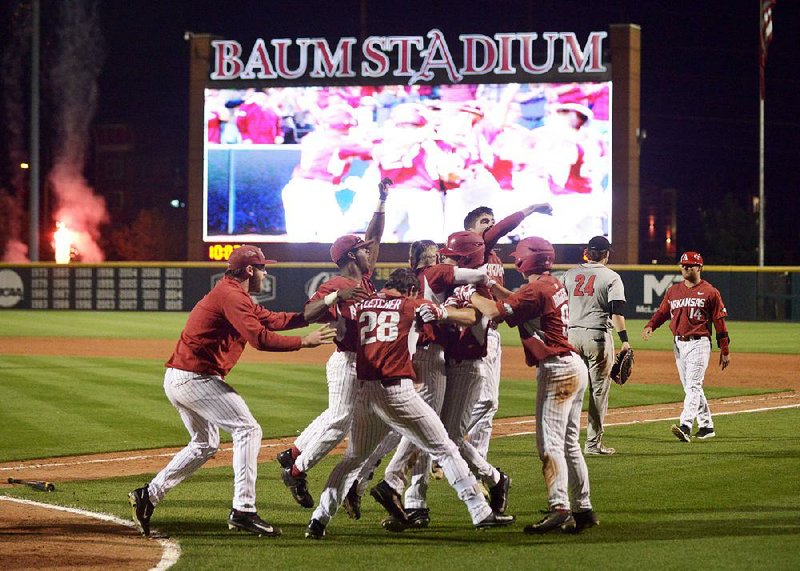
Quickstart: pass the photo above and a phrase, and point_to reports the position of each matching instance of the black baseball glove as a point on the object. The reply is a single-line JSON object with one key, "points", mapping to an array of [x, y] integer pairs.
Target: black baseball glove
{"points": [[622, 369]]}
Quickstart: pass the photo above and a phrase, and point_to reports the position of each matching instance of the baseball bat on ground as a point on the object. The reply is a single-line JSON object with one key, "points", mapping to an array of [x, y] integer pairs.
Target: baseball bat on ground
{"points": [[40, 485]]}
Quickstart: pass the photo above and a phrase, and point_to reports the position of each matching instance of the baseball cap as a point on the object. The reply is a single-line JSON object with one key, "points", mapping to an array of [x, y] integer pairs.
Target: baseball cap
{"points": [[345, 244], [247, 256], [691, 259], [599, 243]]}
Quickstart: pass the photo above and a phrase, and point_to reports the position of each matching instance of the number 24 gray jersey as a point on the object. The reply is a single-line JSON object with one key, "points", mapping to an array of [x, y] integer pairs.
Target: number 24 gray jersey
{"points": [[591, 288]]}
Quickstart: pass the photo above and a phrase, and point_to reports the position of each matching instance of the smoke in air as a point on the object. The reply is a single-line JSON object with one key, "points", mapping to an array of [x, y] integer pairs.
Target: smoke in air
{"points": [[78, 59]]}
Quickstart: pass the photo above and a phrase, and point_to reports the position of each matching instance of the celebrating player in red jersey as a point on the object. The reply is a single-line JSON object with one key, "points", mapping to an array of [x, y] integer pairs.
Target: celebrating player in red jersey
{"points": [[540, 310], [481, 221], [215, 335], [356, 259], [388, 400], [692, 306]]}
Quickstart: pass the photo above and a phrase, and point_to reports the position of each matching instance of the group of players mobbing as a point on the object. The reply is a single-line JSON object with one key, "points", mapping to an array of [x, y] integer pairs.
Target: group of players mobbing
{"points": [[417, 368]]}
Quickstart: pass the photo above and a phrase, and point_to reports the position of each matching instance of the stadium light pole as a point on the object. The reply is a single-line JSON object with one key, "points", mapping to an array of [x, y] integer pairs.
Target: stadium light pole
{"points": [[33, 198]]}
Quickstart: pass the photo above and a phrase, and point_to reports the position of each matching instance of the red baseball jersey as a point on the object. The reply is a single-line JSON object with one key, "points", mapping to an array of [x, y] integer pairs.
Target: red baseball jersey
{"points": [[222, 323], [436, 284], [346, 334], [465, 343], [691, 310], [387, 336], [540, 310]]}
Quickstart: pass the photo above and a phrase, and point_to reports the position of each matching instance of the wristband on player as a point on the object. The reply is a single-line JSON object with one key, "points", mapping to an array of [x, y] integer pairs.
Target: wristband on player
{"points": [[623, 335], [723, 342], [331, 298]]}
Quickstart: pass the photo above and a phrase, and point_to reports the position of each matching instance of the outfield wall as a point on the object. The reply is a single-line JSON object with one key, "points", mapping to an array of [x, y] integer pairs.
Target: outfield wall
{"points": [[751, 294]]}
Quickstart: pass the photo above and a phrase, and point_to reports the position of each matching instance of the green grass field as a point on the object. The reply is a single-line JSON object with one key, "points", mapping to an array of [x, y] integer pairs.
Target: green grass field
{"points": [[727, 503], [748, 336]]}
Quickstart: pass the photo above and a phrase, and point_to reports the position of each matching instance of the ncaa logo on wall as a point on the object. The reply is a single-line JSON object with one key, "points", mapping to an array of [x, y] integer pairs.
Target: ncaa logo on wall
{"points": [[12, 289], [269, 288]]}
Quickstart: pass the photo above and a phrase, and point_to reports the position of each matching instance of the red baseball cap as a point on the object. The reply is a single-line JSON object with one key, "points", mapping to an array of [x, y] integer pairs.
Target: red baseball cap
{"points": [[691, 259], [244, 256], [345, 244]]}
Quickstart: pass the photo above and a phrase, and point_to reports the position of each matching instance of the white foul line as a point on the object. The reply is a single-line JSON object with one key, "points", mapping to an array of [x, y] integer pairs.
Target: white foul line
{"points": [[22, 465], [627, 422], [171, 549]]}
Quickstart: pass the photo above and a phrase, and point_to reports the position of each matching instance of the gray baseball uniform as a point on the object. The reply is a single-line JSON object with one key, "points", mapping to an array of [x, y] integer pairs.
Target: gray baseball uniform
{"points": [[591, 288]]}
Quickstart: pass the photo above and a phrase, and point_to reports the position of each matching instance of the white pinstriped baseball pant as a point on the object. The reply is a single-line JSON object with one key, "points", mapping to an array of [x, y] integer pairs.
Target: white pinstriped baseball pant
{"points": [[465, 380], [333, 424], [489, 398], [692, 358], [207, 403], [560, 383], [429, 366], [400, 407]]}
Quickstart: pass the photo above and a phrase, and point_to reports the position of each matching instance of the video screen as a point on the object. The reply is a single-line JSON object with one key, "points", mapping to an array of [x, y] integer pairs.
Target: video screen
{"points": [[302, 164]]}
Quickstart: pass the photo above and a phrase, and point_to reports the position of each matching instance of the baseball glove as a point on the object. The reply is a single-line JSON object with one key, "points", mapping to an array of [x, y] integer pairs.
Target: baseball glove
{"points": [[622, 369]]}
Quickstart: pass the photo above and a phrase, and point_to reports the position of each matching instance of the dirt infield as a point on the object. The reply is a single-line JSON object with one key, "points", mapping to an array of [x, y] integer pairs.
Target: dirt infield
{"points": [[40, 538]]}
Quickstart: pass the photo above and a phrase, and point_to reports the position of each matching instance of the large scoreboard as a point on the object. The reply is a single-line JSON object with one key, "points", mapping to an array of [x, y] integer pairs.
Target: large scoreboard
{"points": [[289, 138]]}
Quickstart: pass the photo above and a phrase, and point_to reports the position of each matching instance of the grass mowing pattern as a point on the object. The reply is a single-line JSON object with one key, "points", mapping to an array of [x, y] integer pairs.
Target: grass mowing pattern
{"points": [[727, 503], [746, 336], [74, 405]]}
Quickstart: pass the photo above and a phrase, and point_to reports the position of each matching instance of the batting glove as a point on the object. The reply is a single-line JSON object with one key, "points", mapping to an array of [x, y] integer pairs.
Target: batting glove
{"points": [[430, 313]]}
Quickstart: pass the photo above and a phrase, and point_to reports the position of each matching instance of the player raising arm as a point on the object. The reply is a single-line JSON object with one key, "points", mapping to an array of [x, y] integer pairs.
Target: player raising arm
{"points": [[356, 260]]}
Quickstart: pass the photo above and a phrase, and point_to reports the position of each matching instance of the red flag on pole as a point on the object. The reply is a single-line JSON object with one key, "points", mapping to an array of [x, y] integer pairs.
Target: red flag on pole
{"points": [[766, 38]]}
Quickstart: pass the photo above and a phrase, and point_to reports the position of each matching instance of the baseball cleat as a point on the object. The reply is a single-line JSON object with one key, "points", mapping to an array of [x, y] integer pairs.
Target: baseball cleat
{"points": [[141, 508], [418, 518], [600, 451], [352, 502], [682, 432], [389, 499], [555, 519], [498, 494], [705, 433], [315, 529], [250, 522], [436, 472], [298, 485], [495, 520], [285, 458], [583, 520]]}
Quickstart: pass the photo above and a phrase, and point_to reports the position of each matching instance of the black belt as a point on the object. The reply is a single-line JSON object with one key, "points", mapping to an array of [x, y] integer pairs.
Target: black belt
{"points": [[391, 382], [689, 337]]}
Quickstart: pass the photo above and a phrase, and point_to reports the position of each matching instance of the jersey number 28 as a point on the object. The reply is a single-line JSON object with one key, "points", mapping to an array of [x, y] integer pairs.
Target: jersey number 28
{"points": [[378, 326]]}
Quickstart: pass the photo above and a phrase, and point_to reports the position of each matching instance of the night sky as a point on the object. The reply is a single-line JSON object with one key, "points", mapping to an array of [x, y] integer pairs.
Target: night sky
{"points": [[699, 104]]}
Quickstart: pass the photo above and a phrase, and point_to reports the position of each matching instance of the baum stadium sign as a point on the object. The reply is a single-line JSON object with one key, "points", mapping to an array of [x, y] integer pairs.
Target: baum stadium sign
{"points": [[414, 57]]}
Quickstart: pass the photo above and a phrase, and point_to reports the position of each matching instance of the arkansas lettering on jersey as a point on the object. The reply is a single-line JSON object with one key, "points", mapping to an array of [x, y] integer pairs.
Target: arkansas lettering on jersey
{"points": [[387, 336], [691, 310], [346, 334], [540, 310]]}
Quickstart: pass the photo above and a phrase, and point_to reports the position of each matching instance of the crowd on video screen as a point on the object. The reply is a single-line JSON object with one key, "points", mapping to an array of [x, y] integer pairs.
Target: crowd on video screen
{"points": [[447, 148]]}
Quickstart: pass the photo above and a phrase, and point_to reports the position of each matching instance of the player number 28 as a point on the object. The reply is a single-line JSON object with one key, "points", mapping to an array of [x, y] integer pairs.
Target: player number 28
{"points": [[378, 326], [582, 288]]}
